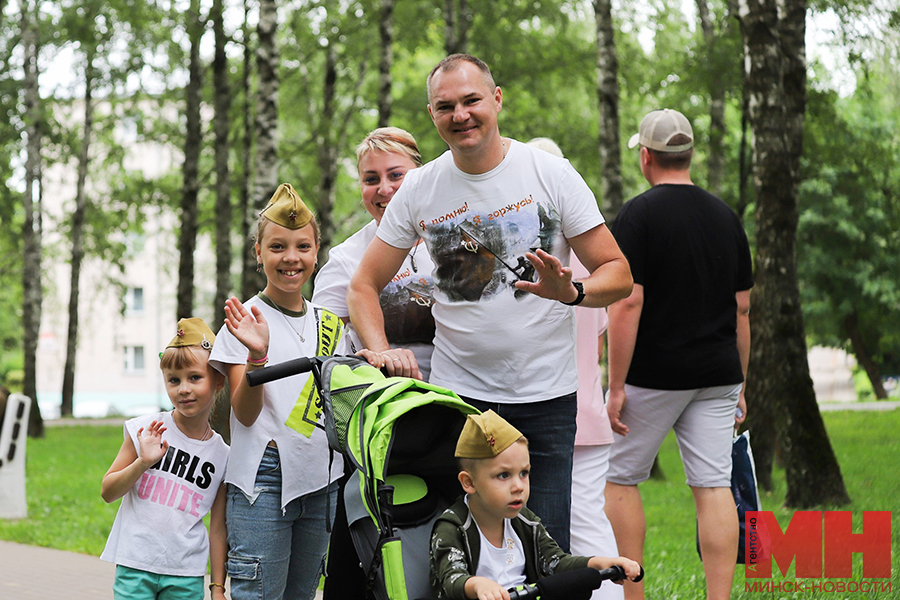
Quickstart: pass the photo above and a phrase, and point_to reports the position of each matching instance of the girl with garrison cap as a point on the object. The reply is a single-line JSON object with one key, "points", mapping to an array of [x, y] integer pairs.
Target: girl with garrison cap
{"points": [[282, 485], [169, 474]]}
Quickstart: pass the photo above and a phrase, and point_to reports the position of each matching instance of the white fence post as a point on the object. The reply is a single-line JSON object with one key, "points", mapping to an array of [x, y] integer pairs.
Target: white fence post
{"points": [[13, 435]]}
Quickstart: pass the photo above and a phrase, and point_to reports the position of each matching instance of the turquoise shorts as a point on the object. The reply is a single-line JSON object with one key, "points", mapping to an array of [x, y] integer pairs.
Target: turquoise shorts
{"points": [[134, 584]]}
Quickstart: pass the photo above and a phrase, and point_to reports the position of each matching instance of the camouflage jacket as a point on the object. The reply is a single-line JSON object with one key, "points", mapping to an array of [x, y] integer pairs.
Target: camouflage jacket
{"points": [[455, 546]]}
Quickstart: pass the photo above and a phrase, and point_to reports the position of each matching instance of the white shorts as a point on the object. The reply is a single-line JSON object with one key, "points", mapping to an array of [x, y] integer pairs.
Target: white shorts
{"points": [[703, 420]]}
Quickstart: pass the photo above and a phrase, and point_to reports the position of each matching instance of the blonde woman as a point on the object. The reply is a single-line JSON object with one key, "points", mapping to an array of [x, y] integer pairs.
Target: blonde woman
{"points": [[383, 159]]}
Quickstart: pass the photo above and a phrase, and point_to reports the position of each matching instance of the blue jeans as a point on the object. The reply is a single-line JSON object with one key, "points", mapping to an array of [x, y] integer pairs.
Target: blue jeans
{"points": [[550, 429], [275, 554]]}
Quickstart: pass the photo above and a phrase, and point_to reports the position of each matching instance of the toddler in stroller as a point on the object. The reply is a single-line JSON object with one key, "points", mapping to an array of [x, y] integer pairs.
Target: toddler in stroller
{"points": [[400, 435], [489, 541]]}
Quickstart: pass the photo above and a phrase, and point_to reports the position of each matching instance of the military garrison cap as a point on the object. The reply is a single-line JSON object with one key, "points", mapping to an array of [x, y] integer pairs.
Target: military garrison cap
{"points": [[193, 332], [485, 436], [287, 209]]}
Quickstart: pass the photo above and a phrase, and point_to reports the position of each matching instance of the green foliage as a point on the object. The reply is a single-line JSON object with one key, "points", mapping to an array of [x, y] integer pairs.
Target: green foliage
{"points": [[849, 230], [350, 30], [862, 385], [544, 56]]}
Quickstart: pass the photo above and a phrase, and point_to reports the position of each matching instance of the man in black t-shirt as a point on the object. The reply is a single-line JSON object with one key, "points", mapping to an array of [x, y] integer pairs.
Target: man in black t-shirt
{"points": [[678, 347]]}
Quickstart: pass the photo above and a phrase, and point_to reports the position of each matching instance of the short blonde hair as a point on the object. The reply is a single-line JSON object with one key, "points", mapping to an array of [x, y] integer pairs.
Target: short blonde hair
{"points": [[392, 140], [183, 357]]}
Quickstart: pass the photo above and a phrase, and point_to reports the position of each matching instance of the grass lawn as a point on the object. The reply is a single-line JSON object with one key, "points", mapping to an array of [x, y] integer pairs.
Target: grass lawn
{"points": [[866, 443], [63, 474], [66, 511]]}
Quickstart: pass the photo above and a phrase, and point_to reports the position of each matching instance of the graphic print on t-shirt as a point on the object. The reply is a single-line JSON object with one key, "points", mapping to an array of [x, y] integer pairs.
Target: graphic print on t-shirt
{"points": [[406, 303], [178, 480], [307, 414], [479, 256]]}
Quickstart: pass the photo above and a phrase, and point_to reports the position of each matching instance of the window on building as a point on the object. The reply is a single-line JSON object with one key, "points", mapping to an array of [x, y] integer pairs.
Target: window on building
{"points": [[134, 359], [134, 300]]}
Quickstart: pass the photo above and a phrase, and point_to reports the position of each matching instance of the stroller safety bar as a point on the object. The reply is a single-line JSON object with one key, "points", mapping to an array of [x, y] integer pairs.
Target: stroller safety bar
{"points": [[569, 584]]}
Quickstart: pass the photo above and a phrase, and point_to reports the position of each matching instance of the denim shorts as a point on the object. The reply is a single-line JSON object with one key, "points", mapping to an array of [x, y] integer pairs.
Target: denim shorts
{"points": [[550, 429], [134, 584], [275, 553]]}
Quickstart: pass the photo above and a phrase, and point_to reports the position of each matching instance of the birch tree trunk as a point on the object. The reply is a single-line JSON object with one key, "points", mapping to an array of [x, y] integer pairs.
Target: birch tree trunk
{"points": [[457, 21], [223, 173], [250, 279], [32, 293], [187, 240], [715, 162], [386, 34], [266, 164], [779, 388], [77, 224], [220, 415], [327, 155], [608, 99]]}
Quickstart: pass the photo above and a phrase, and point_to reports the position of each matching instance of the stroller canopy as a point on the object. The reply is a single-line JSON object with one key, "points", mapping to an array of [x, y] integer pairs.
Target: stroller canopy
{"points": [[400, 435]]}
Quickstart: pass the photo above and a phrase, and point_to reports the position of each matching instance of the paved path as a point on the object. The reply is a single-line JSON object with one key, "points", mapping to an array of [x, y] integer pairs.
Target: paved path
{"points": [[33, 573], [881, 405]]}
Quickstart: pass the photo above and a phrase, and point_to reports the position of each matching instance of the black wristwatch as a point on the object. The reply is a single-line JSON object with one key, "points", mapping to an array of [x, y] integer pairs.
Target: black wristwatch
{"points": [[579, 287]]}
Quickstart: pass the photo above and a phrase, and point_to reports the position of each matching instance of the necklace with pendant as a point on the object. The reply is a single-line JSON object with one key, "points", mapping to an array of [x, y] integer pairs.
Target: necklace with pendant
{"points": [[284, 315], [291, 325]]}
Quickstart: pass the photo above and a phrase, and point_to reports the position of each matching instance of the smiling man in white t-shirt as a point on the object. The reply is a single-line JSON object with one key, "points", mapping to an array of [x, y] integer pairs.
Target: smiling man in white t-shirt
{"points": [[495, 214]]}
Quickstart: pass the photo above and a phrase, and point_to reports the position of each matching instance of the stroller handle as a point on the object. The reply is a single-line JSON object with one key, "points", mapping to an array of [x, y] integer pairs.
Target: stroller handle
{"points": [[279, 371], [617, 573], [569, 584]]}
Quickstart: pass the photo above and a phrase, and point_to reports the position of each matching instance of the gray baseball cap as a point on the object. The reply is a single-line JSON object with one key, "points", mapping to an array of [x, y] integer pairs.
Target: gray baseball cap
{"points": [[660, 126]]}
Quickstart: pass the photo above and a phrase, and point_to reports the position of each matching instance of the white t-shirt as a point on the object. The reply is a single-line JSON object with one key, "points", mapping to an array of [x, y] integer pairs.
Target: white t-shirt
{"points": [[159, 526], [304, 456], [492, 341], [405, 301], [505, 565]]}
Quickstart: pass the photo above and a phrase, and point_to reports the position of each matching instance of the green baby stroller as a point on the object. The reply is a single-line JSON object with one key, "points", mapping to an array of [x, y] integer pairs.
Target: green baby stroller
{"points": [[399, 434]]}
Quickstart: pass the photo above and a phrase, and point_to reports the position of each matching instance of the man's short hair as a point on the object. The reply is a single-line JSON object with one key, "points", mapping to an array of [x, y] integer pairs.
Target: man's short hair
{"points": [[675, 161], [453, 62]]}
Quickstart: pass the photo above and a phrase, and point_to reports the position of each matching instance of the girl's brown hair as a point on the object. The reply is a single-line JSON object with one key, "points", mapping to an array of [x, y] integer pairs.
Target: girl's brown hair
{"points": [[263, 221]]}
